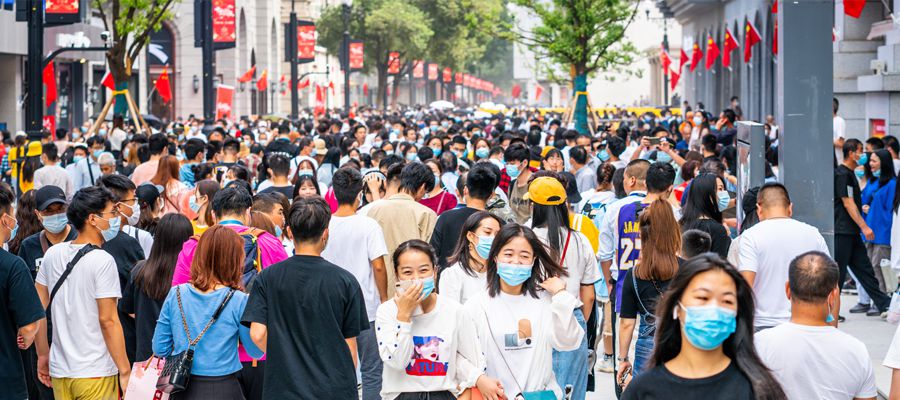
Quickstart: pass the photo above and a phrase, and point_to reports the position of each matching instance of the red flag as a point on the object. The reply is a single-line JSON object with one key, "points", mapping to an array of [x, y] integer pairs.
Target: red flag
{"points": [[331, 86], [108, 81], [50, 81], [538, 91], [729, 44], [163, 87], [248, 76], [664, 59], [712, 52], [696, 56], [775, 7], [775, 34], [516, 91], [682, 60], [673, 78], [263, 81], [303, 84], [365, 89], [320, 101], [751, 38], [854, 8]]}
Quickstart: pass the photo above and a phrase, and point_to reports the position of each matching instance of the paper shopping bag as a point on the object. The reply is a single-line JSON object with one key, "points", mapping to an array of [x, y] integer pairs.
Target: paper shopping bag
{"points": [[142, 383]]}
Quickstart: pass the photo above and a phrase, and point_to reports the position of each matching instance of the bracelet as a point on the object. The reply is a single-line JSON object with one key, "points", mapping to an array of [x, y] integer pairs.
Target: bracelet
{"points": [[622, 359]]}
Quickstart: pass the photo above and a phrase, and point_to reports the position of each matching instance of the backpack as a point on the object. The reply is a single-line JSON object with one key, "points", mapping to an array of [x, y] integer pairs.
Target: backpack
{"points": [[252, 260]]}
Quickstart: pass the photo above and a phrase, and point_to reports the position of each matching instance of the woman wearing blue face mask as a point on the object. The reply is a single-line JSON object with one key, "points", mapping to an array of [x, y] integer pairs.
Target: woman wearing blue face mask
{"points": [[482, 149], [704, 340], [878, 171], [524, 315], [425, 340], [467, 274], [438, 199], [706, 199]]}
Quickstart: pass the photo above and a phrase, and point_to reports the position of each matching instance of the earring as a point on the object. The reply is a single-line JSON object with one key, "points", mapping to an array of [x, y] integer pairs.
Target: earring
{"points": [[675, 314]]}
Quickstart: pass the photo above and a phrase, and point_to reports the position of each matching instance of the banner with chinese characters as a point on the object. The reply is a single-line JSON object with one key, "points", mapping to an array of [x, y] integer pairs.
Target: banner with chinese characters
{"points": [[223, 24], [306, 41], [224, 98], [393, 63], [357, 55], [447, 75], [418, 69], [432, 72]]}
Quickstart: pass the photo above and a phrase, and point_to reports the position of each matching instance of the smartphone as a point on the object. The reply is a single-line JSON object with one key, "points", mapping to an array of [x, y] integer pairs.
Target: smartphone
{"points": [[654, 141], [403, 285], [624, 376]]}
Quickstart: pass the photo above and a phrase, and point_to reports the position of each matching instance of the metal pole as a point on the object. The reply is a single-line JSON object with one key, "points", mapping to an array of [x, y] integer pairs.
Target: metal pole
{"points": [[209, 62], [412, 88], [34, 104], [346, 66], [665, 44], [295, 97]]}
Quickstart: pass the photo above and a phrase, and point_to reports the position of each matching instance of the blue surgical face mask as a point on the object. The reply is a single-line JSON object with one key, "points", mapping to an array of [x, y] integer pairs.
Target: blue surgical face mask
{"points": [[313, 153], [113, 230], [412, 156], [876, 173], [437, 152], [663, 157], [482, 152], [433, 128], [192, 203], [707, 327], [859, 173], [483, 248], [512, 171], [102, 132], [603, 155], [389, 152], [97, 153], [513, 274], [278, 232], [437, 180], [13, 231], [722, 200], [306, 172], [55, 223], [77, 159], [863, 159], [427, 286]]}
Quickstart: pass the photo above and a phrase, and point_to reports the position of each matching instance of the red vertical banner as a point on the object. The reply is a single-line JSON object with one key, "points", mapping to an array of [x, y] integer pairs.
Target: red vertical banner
{"points": [[306, 41], [224, 99], [432, 72], [49, 123], [448, 75], [62, 11], [357, 55], [418, 70], [320, 101], [459, 78], [393, 63], [223, 23]]}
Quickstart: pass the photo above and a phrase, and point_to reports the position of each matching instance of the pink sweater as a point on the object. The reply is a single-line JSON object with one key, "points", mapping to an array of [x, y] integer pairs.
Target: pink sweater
{"points": [[271, 252]]}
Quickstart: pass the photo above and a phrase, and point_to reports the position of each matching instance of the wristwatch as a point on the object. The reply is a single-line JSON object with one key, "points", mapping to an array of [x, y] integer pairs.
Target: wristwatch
{"points": [[622, 359]]}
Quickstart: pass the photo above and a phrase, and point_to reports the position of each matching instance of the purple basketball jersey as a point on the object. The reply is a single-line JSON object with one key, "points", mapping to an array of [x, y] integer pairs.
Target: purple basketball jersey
{"points": [[628, 250]]}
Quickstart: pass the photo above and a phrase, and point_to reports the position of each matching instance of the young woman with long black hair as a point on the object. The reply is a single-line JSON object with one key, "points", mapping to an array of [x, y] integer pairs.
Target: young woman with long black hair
{"points": [[704, 340], [525, 314], [706, 199], [467, 274]]}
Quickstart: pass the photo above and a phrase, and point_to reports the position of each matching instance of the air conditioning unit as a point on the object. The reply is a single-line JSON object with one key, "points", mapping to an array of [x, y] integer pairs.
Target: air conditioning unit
{"points": [[878, 67]]}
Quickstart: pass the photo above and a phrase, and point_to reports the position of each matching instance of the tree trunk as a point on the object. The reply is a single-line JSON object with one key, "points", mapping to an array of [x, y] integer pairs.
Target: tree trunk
{"points": [[581, 113], [120, 69], [382, 85], [395, 92]]}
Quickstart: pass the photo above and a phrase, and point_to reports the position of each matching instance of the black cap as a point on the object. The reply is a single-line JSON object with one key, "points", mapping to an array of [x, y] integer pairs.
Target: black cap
{"points": [[47, 196]]}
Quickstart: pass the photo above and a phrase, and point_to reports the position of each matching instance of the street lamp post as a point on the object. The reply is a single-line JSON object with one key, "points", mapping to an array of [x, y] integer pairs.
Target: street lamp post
{"points": [[34, 106], [665, 44], [292, 40], [345, 5], [209, 62]]}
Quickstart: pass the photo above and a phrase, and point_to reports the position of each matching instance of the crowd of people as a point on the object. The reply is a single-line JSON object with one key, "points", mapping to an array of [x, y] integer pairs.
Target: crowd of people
{"points": [[431, 254]]}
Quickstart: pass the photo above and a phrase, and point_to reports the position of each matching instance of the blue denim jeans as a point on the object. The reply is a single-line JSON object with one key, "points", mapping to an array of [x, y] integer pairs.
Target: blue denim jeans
{"points": [[643, 346], [369, 363], [571, 367]]}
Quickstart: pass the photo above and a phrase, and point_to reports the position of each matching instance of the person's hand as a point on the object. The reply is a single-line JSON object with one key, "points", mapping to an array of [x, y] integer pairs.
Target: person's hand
{"points": [[374, 182], [867, 232], [43, 370], [610, 288], [664, 146], [553, 285], [20, 341], [490, 388], [407, 301], [123, 380], [623, 376], [645, 142], [865, 209]]}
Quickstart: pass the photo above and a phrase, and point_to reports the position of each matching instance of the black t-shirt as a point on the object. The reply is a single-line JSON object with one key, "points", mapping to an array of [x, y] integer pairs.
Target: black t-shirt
{"points": [[845, 185], [659, 383], [31, 251], [309, 306], [21, 306], [146, 312], [647, 293], [127, 251], [446, 232], [287, 191], [281, 146], [717, 232]]}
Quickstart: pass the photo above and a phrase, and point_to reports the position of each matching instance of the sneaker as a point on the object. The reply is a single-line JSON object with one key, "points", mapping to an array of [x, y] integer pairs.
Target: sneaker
{"points": [[873, 312], [859, 308], [606, 365], [841, 319]]}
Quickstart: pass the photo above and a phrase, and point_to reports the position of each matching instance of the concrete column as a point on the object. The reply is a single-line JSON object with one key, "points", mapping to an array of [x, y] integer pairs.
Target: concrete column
{"points": [[804, 90]]}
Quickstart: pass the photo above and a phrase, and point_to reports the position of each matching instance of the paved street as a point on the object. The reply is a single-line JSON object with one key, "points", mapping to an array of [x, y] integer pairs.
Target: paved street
{"points": [[876, 333]]}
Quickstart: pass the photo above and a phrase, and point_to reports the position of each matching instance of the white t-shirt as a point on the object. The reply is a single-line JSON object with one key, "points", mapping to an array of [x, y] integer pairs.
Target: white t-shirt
{"points": [[892, 358], [580, 261], [458, 285], [353, 243], [839, 127], [817, 362], [768, 249], [896, 166], [78, 349], [142, 236]]}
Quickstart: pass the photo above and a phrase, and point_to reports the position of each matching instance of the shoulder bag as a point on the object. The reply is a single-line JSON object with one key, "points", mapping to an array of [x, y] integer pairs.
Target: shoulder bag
{"points": [[176, 374], [62, 278]]}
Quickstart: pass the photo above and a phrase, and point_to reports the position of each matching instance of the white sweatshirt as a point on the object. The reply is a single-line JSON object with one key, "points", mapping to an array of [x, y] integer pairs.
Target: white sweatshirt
{"points": [[519, 333], [433, 352]]}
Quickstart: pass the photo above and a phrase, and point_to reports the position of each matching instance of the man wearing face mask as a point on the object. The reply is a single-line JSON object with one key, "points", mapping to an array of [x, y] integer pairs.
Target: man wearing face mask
{"points": [[87, 171], [129, 208], [51, 174], [50, 208], [88, 354], [808, 351]]}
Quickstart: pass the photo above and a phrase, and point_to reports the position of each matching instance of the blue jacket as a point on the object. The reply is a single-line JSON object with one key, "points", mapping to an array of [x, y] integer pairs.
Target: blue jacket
{"points": [[217, 352], [881, 213], [868, 192]]}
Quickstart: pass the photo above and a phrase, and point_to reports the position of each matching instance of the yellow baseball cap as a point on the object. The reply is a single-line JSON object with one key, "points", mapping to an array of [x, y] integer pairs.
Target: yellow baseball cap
{"points": [[546, 191]]}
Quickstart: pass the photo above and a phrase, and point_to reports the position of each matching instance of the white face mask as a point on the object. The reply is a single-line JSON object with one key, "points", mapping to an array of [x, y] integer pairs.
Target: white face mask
{"points": [[135, 214]]}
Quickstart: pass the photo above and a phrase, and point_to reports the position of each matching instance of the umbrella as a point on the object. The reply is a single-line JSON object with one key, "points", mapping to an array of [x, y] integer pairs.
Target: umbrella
{"points": [[441, 104], [481, 114], [488, 104], [153, 121]]}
